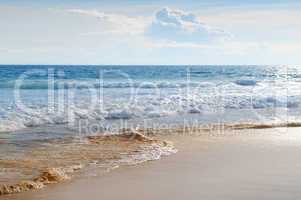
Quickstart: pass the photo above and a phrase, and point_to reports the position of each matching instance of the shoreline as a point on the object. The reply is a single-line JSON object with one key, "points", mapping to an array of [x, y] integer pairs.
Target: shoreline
{"points": [[71, 157], [243, 166]]}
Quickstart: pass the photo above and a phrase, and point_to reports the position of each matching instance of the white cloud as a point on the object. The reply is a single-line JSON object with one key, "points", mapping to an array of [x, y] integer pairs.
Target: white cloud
{"points": [[167, 24], [180, 26]]}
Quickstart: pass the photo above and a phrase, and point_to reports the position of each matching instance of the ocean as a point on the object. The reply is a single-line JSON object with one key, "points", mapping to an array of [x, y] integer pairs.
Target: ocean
{"points": [[61, 95], [42, 107]]}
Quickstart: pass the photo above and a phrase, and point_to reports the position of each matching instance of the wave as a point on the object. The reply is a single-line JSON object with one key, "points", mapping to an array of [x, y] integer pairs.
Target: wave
{"points": [[84, 84], [264, 125], [47, 177], [145, 108], [128, 148], [217, 129], [245, 82], [123, 114]]}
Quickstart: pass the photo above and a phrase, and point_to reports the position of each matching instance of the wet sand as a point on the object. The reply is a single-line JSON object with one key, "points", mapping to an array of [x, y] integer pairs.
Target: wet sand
{"points": [[241, 164], [62, 160]]}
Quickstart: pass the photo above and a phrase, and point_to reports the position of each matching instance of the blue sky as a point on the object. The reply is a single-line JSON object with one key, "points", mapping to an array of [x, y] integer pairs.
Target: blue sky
{"points": [[150, 32]]}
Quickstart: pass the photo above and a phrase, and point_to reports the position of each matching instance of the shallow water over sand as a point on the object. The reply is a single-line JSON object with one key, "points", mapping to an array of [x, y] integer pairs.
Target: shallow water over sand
{"points": [[241, 164], [56, 160], [35, 164]]}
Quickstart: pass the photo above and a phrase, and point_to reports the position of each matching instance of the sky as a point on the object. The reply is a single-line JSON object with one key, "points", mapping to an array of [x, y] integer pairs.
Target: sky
{"points": [[121, 32]]}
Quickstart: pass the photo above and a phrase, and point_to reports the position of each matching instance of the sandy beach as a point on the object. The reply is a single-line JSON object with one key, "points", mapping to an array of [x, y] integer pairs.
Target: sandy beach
{"points": [[241, 164]]}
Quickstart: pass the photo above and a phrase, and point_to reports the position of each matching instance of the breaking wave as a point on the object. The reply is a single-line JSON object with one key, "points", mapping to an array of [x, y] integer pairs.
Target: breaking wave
{"points": [[64, 159], [144, 108]]}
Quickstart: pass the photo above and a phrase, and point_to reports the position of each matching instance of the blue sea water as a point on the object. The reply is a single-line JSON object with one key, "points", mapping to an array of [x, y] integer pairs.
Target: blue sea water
{"points": [[64, 99]]}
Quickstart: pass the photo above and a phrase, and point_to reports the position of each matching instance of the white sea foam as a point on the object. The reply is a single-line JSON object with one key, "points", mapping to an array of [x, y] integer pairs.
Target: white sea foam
{"points": [[174, 98], [146, 108], [149, 153]]}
